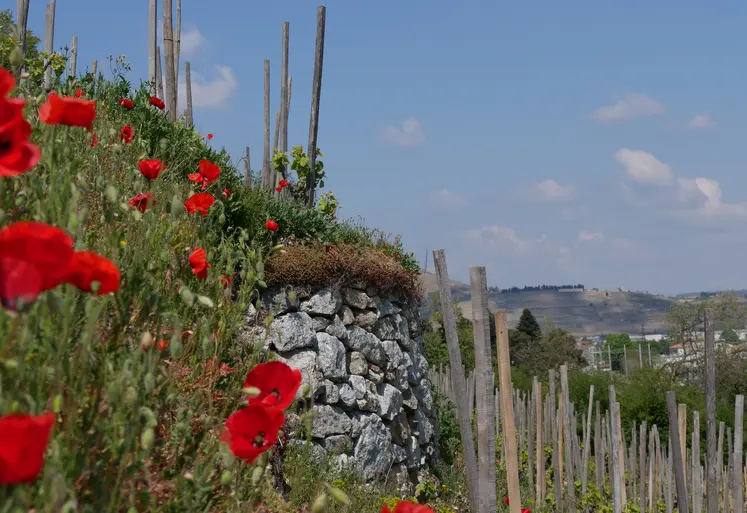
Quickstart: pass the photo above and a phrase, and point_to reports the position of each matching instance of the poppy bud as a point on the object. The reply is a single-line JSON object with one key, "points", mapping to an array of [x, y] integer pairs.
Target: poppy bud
{"points": [[222, 219], [149, 382], [16, 57], [10, 364], [57, 404], [148, 416], [257, 474], [130, 398], [226, 477], [320, 504], [177, 206], [338, 495], [25, 75], [146, 341], [251, 391], [111, 193], [147, 439]]}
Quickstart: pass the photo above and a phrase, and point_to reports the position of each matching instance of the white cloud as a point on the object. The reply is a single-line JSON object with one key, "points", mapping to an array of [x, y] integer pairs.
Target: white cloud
{"points": [[642, 166], [706, 193], [627, 107], [210, 93], [447, 198], [410, 135], [191, 41], [549, 191], [584, 236], [701, 121], [501, 237]]}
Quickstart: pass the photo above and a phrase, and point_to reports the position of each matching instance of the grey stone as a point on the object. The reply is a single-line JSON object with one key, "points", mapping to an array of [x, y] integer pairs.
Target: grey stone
{"points": [[337, 329], [319, 323], [279, 301], [413, 374], [372, 291], [364, 342], [356, 298], [323, 302], [366, 319], [357, 363], [400, 428], [250, 316], [359, 386], [331, 394], [347, 395], [375, 374], [395, 357], [423, 392], [422, 427], [292, 331], [421, 364], [329, 420], [399, 453], [337, 444], [413, 453], [347, 315], [390, 401], [358, 421], [399, 478], [316, 452], [331, 356], [373, 450], [342, 462], [393, 327], [306, 362], [409, 401], [385, 307]]}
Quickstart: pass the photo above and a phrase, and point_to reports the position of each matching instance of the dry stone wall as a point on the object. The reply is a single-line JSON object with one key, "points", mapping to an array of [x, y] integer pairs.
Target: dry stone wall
{"points": [[361, 354]]}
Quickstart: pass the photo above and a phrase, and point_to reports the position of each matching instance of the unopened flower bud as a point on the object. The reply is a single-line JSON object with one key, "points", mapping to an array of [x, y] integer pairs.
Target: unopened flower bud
{"points": [[251, 391], [147, 439], [320, 504], [146, 341], [225, 477], [16, 57], [130, 398], [257, 474]]}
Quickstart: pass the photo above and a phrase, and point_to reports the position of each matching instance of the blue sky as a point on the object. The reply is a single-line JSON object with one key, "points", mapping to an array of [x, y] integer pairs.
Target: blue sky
{"points": [[585, 142]]}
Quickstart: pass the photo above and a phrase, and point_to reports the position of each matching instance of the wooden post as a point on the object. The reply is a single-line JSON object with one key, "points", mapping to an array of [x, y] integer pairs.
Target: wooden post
{"points": [[458, 381], [159, 75], [676, 454], [642, 467], [540, 449], [507, 406], [640, 357], [568, 435], [168, 64], [283, 136], [557, 446], [74, 57], [738, 464], [247, 169], [94, 70], [49, 42], [189, 116], [598, 448], [682, 426], [710, 393], [587, 439], [617, 479], [152, 46], [266, 171], [177, 46], [316, 92], [483, 387], [21, 23], [696, 492]]}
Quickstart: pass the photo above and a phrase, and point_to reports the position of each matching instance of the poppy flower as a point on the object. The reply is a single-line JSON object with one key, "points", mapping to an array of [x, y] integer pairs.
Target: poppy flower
{"points": [[505, 500], [385, 509], [208, 173], [251, 431], [87, 267], [526, 510], [61, 110], [278, 189], [283, 183], [209, 137], [150, 169], [7, 82], [226, 193], [162, 344], [34, 257], [225, 281], [199, 264], [17, 153], [126, 134], [126, 103], [94, 140], [142, 202], [199, 202], [157, 102], [277, 382], [271, 225], [78, 92], [411, 507], [23, 442]]}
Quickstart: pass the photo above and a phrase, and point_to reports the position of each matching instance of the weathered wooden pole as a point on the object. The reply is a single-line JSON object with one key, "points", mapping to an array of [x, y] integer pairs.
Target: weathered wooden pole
{"points": [[464, 412], [738, 464], [711, 435], [152, 46], [617, 478], [168, 64], [676, 454], [483, 390], [21, 23], [283, 113], [540, 449], [247, 169], [177, 46], [49, 43], [266, 171], [316, 93], [189, 117], [74, 57], [159, 75], [587, 439]]}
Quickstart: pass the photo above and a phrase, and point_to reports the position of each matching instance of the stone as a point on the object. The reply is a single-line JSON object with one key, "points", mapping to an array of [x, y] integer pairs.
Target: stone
{"points": [[390, 401], [331, 394], [373, 450], [347, 315], [425, 398], [385, 307], [413, 374], [356, 298], [358, 421], [342, 462], [292, 331], [399, 478], [413, 453], [399, 453], [357, 363], [359, 386], [422, 427], [400, 428], [375, 374], [372, 291], [364, 342], [319, 323], [421, 364], [250, 316], [395, 357], [366, 319], [409, 401], [279, 301], [337, 444], [393, 327], [337, 329], [329, 420], [323, 302], [347, 395], [306, 362], [331, 356], [316, 453]]}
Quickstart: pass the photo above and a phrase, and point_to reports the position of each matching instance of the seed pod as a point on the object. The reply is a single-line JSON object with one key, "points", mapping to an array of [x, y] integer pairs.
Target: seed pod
{"points": [[149, 382], [338, 495], [16, 57], [225, 477], [147, 439], [257, 474], [130, 396], [320, 503]]}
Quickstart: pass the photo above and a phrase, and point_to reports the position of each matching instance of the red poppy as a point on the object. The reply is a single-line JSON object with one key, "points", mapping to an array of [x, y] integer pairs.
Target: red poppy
{"points": [[208, 173], [271, 225], [277, 382], [199, 264], [23, 442], [157, 102], [87, 267], [385, 509], [126, 134], [225, 281], [209, 137], [17, 153], [283, 183], [34, 257], [251, 431], [150, 169], [526, 510], [94, 140], [7, 82], [142, 202], [126, 103], [226, 193], [278, 189], [505, 500], [411, 507], [162, 344], [78, 92], [199, 202], [61, 110]]}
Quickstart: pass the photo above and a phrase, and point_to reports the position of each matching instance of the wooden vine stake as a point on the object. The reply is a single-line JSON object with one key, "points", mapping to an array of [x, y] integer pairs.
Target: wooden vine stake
{"points": [[49, 43], [247, 169], [189, 119], [464, 410], [168, 50], [266, 171], [159, 75], [710, 392], [676, 454], [152, 46], [177, 46], [507, 408], [316, 92], [738, 460], [74, 57], [282, 124], [22, 7], [483, 390]]}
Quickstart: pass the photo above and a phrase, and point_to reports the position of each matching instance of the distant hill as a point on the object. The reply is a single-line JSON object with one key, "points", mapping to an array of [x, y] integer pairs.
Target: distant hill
{"points": [[588, 312]]}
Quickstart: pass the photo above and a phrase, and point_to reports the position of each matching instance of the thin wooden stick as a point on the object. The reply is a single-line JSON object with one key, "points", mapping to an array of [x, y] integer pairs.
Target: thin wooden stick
{"points": [[710, 393], [617, 478], [22, 23], [247, 169], [283, 113], [159, 75], [74, 57], [738, 483], [587, 438], [540, 449], [177, 45], [316, 94], [676, 453], [49, 43], [168, 50], [152, 46], [266, 181], [509, 427], [188, 119]]}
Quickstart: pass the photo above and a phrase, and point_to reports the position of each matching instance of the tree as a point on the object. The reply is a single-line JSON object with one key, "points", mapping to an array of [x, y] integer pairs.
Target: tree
{"points": [[617, 341], [529, 325], [729, 336]]}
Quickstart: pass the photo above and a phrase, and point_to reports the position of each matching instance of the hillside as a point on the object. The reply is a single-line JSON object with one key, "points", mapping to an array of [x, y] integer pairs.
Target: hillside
{"points": [[590, 312]]}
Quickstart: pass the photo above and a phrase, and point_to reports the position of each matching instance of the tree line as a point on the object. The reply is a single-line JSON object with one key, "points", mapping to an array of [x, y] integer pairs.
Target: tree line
{"points": [[531, 288]]}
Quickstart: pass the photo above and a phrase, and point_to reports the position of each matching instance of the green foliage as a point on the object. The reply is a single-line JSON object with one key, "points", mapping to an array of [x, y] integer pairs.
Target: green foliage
{"points": [[729, 336], [617, 341], [529, 326], [449, 438]]}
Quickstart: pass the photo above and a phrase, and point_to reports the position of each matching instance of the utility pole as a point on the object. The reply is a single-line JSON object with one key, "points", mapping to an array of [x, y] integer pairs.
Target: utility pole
{"points": [[649, 355]]}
